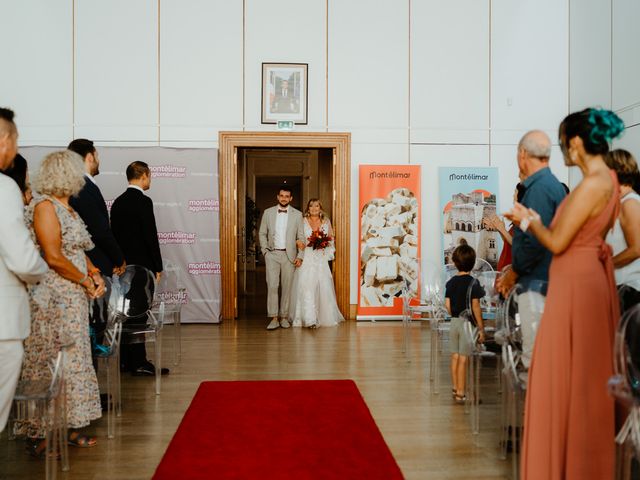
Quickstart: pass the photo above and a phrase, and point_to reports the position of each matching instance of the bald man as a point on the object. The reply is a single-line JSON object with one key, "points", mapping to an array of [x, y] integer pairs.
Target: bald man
{"points": [[530, 265]]}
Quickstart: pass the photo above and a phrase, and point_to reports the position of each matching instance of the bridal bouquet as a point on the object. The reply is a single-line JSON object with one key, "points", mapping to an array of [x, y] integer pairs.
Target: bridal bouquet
{"points": [[319, 240]]}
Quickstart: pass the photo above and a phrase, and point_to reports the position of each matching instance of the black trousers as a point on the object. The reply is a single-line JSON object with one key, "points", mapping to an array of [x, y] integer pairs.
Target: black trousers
{"points": [[133, 352]]}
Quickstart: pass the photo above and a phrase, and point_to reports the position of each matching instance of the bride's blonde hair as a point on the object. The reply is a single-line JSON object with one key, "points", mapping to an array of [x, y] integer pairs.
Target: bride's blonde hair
{"points": [[312, 200]]}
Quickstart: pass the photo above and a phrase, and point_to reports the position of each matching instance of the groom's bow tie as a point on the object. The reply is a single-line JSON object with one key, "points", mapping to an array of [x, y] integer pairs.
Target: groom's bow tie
{"points": [[281, 211]]}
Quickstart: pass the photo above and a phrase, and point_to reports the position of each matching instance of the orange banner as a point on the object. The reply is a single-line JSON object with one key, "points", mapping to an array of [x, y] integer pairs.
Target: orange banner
{"points": [[389, 247]]}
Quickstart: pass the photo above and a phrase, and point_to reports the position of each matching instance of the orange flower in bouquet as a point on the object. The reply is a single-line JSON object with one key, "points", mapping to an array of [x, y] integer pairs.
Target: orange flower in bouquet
{"points": [[318, 239]]}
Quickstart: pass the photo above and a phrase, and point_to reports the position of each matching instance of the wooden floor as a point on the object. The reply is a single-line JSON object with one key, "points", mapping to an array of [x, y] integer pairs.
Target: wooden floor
{"points": [[428, 435]]}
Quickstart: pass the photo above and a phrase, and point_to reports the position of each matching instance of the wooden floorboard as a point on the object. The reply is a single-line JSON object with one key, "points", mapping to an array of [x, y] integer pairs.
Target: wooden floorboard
{"points": [[428, 434]]}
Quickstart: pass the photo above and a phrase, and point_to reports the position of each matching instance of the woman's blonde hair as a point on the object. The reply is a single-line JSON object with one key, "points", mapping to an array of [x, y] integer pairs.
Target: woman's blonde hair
{"points": [[60, 174], [312, 200], [624, 164]]}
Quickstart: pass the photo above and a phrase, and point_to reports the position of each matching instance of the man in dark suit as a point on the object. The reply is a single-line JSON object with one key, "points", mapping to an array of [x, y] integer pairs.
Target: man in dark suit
{"points": [[90, 205], [134, 227]]}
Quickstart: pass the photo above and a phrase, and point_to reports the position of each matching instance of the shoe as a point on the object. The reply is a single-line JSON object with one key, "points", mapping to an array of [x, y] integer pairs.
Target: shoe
{"points": [[148, 370], [77, 439], [104, 401], [273, 324], [284, 323]]}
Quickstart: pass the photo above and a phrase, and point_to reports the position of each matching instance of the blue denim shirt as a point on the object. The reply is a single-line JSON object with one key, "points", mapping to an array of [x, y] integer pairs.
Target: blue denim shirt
{"points": [[531, 260]]}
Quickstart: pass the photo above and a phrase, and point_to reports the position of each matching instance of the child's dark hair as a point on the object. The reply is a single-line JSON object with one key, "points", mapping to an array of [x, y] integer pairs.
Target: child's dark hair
{"points": [[464, 257]]}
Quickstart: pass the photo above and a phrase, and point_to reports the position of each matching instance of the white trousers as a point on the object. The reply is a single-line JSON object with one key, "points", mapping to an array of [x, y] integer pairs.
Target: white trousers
{"points": [[11, 352], [279, 274], [530, 307]]}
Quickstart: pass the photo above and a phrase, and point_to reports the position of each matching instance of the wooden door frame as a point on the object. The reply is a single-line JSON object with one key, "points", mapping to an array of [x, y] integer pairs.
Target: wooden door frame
{"points": [[228, 144]]}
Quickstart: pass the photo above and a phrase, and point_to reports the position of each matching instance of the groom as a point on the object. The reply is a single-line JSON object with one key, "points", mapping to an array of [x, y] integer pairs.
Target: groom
{"points": [[279, 230]]}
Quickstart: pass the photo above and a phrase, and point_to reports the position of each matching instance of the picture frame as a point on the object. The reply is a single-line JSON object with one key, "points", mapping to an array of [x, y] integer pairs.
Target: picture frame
{"points": [[284, 92]]}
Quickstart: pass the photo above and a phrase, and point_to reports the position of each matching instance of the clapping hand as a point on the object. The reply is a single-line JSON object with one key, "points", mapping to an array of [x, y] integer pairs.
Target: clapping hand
{"points": [[493, 222], [518, 213]]}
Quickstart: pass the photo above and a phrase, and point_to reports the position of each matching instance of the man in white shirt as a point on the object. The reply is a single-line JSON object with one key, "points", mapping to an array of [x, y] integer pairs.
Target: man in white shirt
{"points": [[280, 228], [20, 263]]}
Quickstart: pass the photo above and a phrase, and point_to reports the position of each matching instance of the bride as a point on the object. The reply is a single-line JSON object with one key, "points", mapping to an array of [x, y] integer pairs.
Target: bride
{"points": [[313, 298]]}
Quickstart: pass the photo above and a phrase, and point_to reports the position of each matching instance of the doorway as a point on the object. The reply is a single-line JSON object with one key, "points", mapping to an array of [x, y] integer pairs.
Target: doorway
{"points": [[233, 165], [261, 173]]}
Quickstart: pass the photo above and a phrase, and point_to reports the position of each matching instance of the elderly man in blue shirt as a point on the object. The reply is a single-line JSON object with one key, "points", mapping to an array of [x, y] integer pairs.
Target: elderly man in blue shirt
{"points": [[530, 265]]}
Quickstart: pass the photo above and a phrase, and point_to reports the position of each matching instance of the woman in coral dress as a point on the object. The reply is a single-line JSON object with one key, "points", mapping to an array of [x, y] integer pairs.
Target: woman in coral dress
{"points": [[569, 415]]}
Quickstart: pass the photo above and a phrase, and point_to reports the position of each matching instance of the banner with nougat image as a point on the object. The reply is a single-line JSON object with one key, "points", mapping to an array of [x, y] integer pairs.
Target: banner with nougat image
{"points": [[389, 246]]}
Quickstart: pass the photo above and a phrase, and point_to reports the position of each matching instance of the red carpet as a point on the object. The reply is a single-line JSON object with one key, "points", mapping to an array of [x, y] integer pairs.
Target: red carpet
{"points": [[278, 430]]}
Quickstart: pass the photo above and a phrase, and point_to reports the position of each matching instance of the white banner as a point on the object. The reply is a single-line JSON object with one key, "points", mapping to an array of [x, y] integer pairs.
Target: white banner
{"points": [[184, 190]]}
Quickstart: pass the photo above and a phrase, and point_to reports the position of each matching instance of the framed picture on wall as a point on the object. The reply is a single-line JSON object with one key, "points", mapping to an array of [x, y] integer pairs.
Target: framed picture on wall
{"points": [[284, 92]]}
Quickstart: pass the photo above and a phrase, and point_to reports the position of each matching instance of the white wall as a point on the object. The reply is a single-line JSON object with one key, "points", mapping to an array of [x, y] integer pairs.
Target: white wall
{"points": [[605, 63], [201, 68], [116, 71], [36, 78], [421, 81]]}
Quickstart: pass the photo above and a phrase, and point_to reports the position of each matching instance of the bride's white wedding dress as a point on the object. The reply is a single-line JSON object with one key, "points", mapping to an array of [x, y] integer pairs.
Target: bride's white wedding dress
{"points": [[313, 297]]}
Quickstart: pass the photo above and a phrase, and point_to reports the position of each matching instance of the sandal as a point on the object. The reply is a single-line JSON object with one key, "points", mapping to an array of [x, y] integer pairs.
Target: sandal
{"points": [[460, 399], [78, 439]]}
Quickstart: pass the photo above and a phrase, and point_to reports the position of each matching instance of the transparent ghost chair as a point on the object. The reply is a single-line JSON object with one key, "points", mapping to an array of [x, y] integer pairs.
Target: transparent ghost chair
{"points": [[45, 399], [422, 298], [172, 292], [108, 353], [484, 284], [514, 379], [441, 318], [625, 386], [133, 299]]}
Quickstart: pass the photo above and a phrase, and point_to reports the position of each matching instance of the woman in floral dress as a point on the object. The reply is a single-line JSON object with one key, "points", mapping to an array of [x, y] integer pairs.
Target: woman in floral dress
{"points": [[60, 303]]}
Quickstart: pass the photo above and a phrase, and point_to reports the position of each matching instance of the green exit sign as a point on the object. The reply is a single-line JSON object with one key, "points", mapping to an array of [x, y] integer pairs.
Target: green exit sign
{"points": [[285, 124]]}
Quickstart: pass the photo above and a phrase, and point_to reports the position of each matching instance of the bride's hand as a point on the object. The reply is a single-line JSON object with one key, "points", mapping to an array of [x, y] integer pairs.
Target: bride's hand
{"points": [[300, 244]]}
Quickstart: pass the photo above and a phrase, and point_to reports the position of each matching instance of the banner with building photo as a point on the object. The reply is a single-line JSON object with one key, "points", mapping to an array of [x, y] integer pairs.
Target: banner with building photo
{"points": [[389, 246], [184, 190], [467, 197]]}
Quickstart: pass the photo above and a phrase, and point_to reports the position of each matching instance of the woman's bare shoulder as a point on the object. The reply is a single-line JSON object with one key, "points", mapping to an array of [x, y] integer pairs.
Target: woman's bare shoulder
{"points": [[596, 183]]}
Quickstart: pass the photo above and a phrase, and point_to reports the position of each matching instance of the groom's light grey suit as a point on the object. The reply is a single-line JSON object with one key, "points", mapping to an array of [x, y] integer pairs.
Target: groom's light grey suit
{"points": [[280, 263]]}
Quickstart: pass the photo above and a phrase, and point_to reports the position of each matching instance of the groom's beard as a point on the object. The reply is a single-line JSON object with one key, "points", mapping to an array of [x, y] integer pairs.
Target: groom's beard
{"points": [[283, 205]]}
